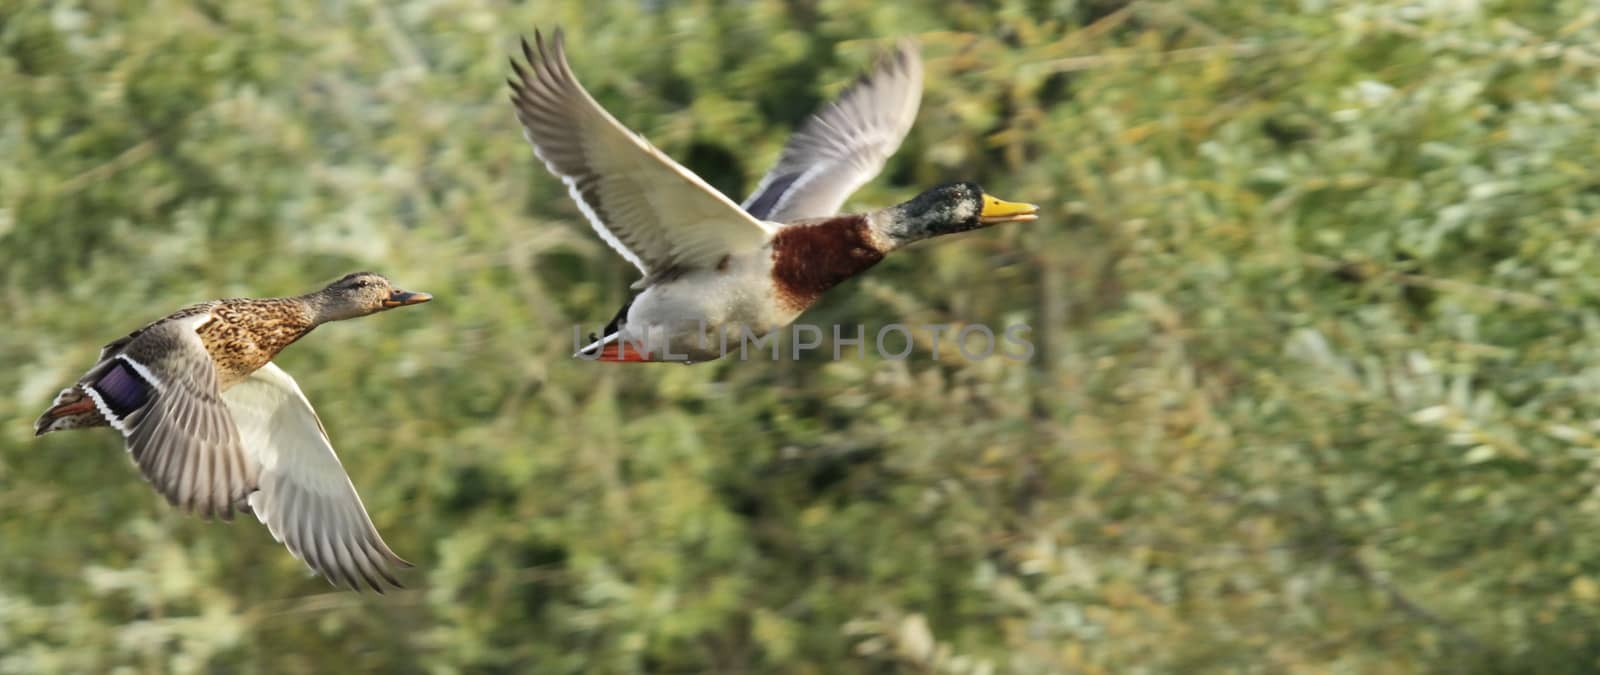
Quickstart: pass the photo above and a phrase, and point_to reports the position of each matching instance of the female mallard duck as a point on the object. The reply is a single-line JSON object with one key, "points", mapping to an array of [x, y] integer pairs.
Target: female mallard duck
{"points": [[712, 267], [214, 425]]}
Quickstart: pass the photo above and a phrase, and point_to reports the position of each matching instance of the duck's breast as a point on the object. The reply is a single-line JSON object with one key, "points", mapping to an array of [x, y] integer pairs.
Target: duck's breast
{"points": [[809, 258], [740, 291], [244, 335]]}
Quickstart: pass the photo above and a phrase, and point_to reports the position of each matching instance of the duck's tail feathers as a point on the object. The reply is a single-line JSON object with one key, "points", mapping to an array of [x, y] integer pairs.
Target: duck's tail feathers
{"points": [[623, 352], [72, 409], [613, 349]]}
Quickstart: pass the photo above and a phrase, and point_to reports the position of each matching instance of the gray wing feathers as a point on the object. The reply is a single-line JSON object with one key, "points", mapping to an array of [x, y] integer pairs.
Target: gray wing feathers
{"points": [[306, 499], [183, 439], [845, 144], [336, 541], [652, 211]]}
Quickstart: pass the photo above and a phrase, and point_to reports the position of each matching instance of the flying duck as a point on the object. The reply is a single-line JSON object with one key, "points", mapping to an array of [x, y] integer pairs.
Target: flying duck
{"points": [[713, 270], [215, 426]]}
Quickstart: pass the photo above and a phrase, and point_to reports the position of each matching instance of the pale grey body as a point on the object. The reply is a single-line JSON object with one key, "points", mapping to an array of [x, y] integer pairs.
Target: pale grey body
{"points": [[707, 262]]}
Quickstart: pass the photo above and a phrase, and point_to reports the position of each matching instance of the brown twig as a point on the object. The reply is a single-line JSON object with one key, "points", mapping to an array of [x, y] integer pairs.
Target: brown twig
{"points": [[1517, 298], [1187, 54], [127, 158]]}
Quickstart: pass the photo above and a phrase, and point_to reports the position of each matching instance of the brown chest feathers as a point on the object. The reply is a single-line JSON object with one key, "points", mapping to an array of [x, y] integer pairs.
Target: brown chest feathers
{"points": [[810, 258], [245, 334]]}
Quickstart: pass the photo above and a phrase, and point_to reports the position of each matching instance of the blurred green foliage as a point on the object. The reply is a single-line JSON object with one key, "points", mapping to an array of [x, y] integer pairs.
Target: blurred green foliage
{"points": [[1315, 296]]}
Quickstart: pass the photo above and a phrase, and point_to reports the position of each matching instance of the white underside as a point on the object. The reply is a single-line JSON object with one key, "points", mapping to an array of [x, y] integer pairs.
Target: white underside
{"points": [[305, 498], [687, 318]]}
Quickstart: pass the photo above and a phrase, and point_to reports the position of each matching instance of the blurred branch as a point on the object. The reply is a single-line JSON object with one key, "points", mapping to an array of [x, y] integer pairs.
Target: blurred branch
{"points": [[1345, 548], [1340, 546], [1103, 25], [1175, 15], [1368, 270], [1185, 55], [138, 152], [127, 158], [1399, 599], [327, 602], [400, 42]]}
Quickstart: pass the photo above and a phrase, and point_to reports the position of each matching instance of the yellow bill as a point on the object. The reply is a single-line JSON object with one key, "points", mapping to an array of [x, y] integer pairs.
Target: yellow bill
{"points": [[996, 211]]}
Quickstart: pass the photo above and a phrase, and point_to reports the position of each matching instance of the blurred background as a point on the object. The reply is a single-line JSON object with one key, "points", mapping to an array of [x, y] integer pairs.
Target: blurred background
{"points": [[1317, 387]]}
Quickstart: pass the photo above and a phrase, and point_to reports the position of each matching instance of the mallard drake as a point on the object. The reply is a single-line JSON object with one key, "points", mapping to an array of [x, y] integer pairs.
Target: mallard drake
{"points": [[712, 267], [214, 425]]}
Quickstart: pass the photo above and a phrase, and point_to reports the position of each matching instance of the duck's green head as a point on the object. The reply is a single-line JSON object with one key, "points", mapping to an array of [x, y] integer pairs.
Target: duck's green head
{"points": [[359, 294], [948, 209]]}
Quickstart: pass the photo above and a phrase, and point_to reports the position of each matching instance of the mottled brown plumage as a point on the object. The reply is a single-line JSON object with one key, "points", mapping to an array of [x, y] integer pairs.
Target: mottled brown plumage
{"points": [[240, 334], [245, 334], [214, 426], [809, 257]]}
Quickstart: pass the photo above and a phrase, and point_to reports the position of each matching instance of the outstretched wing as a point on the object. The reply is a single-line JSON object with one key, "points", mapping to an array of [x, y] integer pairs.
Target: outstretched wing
{"points": [[305, 498], [160, 390], [649, 208], [845, 144]]}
